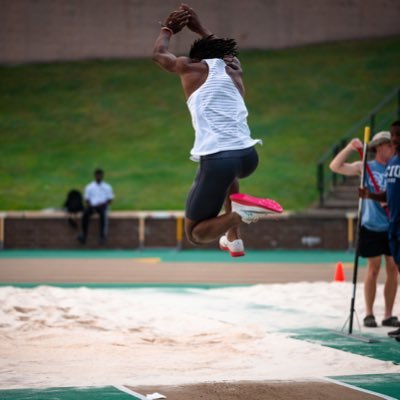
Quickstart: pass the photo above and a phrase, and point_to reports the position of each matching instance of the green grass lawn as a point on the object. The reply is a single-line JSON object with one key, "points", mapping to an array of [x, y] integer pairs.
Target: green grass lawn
{"points": [[60, 121]]}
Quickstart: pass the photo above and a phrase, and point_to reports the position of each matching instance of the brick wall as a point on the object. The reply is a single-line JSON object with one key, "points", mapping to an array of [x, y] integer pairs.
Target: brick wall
{"points": [[52, 30], [22, 232], [290, 231], [299, 231]]}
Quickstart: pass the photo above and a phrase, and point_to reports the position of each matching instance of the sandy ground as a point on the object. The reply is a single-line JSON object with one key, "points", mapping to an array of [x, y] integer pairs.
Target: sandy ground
{"points": [[49, 327]]}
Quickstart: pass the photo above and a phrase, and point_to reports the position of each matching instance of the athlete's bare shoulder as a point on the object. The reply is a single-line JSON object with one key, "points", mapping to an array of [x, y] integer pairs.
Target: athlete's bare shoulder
{"points": [[193, 74], [187, 65]]}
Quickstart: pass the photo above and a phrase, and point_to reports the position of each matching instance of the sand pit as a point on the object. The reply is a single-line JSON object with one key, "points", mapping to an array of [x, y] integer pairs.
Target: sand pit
{"points": [[232, 342]]}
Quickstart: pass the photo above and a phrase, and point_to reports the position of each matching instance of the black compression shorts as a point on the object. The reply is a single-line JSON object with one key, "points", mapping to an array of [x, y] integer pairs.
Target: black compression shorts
{"points": [[215, 175]]}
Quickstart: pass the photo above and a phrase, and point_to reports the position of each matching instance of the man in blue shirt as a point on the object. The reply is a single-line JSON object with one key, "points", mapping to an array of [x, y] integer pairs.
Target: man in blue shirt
{"points": [[373, 242], [392, 196]]}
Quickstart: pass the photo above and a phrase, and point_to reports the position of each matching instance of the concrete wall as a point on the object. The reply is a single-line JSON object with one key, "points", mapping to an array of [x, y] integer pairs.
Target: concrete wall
{"points": [[324, 230], [49, 30]]}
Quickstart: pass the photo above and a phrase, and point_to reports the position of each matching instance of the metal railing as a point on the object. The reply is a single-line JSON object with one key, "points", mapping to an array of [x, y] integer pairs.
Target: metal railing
{"points": [[379, 118]]}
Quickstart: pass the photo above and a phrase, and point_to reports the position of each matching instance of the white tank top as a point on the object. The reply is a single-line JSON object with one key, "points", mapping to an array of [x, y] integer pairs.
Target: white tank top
{"points": [[219, 115]]}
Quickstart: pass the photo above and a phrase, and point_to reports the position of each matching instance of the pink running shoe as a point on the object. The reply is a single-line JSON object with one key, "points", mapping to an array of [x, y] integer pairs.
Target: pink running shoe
{"points": [[235, 248], [251, 208]]}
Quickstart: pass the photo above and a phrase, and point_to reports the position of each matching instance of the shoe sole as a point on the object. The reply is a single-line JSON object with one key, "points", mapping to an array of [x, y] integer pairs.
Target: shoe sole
{"points": [[233, 253], [267, 205], [393, 335], [395, 323]]}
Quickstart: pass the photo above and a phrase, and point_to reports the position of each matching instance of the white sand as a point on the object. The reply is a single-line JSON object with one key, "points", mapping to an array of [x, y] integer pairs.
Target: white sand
{"points": [[92, 337]]}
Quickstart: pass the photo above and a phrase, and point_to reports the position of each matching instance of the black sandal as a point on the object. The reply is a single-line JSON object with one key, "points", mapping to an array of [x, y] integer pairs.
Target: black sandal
{"points": [[391, 321], [369, 321]]}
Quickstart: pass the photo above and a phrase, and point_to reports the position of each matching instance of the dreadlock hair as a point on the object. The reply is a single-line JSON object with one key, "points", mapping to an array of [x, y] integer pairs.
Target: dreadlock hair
{"points": [[212, 47]]}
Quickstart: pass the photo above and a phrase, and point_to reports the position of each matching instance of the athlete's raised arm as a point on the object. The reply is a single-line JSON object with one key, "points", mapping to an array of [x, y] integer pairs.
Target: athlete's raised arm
{"points": [[161, 54], [194, 23]]}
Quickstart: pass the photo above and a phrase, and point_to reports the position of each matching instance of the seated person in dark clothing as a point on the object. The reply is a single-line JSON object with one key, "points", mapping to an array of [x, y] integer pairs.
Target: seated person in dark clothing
{"points": [[73, 205]]}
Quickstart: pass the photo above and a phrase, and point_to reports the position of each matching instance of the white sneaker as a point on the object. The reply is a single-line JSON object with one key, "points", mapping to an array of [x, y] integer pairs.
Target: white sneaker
{"points": [[248, 216], [235, 248], [251, 208]]}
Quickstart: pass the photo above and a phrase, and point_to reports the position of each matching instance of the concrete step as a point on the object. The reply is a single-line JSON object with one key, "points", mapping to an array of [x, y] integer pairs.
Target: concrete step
{"points": [[344, 196], [344, 188], [340, 204]]}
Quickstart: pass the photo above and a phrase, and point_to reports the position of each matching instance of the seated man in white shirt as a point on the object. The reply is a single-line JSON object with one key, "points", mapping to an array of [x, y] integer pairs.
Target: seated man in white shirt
{"points": [[98, 195]]}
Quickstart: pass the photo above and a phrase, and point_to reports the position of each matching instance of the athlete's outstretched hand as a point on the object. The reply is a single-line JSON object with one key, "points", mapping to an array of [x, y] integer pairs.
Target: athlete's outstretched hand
{"points": [[177, 20], [232, 62], [194, 23]]}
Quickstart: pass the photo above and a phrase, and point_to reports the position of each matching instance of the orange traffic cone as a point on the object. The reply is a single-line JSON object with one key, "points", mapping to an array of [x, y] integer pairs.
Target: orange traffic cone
{"points": [[339, 273]]}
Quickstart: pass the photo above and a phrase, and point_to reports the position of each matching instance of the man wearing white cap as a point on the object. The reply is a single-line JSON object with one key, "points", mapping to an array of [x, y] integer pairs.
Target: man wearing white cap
{"points": [[373, 240]]}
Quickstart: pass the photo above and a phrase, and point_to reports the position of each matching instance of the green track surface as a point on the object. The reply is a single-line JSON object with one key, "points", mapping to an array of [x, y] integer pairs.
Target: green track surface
{"points": [[167, 255], [67, 393], [386, 384], [384, 348]]}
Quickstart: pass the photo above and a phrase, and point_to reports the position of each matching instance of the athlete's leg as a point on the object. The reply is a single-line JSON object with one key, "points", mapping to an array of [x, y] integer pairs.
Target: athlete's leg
{"points": [[370, 281], [210, 229], [202, 222], [216, 179], [206, 198], [390, 285], [234, 232]]}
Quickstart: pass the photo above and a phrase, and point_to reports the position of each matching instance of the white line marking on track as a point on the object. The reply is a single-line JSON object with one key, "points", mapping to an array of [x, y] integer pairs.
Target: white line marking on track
{"points": [[382, 396], [131, 392]]}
